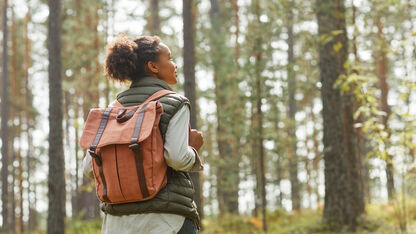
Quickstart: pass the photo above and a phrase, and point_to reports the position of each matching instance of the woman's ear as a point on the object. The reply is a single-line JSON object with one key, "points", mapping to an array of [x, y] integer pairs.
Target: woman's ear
{"points": [[152, 67]]}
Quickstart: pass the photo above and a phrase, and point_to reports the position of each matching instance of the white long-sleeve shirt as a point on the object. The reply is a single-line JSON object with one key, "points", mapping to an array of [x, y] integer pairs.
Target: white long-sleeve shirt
{"points": [[178, 155]]}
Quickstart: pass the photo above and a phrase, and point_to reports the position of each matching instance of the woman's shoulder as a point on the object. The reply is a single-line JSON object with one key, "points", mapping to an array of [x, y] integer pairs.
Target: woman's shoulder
{"points": [[175, 99]]}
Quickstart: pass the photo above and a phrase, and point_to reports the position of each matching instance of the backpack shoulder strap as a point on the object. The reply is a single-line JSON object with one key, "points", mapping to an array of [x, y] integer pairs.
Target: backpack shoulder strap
{"points": [[157, 95], [115, 103]]}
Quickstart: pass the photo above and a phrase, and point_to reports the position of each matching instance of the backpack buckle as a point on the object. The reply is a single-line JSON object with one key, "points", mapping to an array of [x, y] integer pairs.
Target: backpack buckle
{"points": [[92, 153], [134, 146], [96, 156]]}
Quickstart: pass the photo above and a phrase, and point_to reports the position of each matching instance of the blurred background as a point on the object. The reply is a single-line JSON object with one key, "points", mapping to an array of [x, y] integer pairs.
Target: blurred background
{"points": [[305, 107]]}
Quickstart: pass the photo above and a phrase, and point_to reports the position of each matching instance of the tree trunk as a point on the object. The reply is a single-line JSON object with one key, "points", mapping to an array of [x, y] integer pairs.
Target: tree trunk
{"points": [[19, 173], [237, 30], [189, 73], [277, 150], [258, 67], [75, 196], [342, 175], [13, 192], [155, 22], [228, 170], [56, 178], [381, 71], [254, 143], [21, 223], [293, 161], [28, 116], [108, 8], [261, 156], [87, 200], [316, 159], [362, 142], [4, 125]]}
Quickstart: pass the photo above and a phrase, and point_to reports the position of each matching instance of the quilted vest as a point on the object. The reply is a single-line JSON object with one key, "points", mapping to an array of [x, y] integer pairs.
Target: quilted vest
{"points": [[178, 195]]}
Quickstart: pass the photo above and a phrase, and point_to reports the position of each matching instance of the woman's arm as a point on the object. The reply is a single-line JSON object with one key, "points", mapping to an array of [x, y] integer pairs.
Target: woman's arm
{"points": [[178, 154], [87, 166]]}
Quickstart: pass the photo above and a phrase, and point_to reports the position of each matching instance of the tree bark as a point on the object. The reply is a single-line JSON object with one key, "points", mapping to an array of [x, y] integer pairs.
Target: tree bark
{"points": [[189, 73], [316, 159], [258, 67], [293, 161], [13, 192], [342, 175], [75, 196], [362, 142], [21, 223], [237, 29], [28, 115], [277, 150], [155, 22], [381, 71], [228, 170], [87, 200], [4, 125], [56, 178]]}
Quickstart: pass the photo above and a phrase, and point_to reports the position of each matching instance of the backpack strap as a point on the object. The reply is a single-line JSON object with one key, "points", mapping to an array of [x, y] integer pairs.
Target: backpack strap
{"points": [[135, 146], [101, 128], [97, 156], [138, 153], [115, 103], [154, 96]]}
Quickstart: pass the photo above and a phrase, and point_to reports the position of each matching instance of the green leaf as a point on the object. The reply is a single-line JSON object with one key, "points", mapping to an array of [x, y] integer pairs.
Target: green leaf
{"points": [[338, 46]]}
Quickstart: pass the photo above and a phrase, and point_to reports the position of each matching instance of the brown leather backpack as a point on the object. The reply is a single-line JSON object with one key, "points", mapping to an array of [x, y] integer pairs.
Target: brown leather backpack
{"points": [[127, 150]]}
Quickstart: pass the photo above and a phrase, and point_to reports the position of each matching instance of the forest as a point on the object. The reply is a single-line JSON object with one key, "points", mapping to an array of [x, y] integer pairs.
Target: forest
{"points": [[305, 108]]}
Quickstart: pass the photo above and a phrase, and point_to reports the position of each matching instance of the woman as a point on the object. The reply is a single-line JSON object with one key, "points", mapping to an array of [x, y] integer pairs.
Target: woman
{"points": [[146, 62]]}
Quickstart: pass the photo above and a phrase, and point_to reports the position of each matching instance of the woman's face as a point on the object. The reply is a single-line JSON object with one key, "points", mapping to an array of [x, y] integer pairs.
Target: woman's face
{"points": [[166, 66]]}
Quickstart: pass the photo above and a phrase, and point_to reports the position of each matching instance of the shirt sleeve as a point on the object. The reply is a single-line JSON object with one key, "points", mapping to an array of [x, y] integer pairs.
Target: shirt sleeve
{"points": [[87, 166], [177, 152]]}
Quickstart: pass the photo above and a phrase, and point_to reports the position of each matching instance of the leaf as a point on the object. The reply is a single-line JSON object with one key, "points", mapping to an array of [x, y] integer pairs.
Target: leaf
{"points": [[338, 46]]}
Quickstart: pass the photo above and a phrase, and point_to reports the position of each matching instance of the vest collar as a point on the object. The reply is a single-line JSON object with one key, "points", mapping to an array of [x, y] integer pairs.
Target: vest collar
{"points": [[150, 81]]}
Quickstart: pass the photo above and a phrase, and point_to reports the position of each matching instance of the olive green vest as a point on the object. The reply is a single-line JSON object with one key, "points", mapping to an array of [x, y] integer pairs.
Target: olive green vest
{"points": [[177, 197]]}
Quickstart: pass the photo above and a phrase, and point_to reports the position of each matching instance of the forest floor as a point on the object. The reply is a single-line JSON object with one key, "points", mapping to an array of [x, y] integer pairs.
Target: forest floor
{"points": [[378, 218]]}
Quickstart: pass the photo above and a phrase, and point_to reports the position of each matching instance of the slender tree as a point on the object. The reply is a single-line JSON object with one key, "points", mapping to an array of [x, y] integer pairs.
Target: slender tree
{"points": [[16, 116], [189, 73], [225, 87], [4, 125], [155, 21], [28, 117], [362, 141], [381, 72], [258, 96], [56, 179], [293, 161], [13, 183], [87, 200]]}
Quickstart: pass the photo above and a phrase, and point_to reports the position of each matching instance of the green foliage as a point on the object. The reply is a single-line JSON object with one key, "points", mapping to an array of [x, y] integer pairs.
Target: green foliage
{"points": [[378, 218], [328, 37], [231, 224], [364, 88], [77, 226]]}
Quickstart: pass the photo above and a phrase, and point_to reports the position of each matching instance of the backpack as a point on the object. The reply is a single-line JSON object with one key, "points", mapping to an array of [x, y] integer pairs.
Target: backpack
{"points": [[126, 147]]}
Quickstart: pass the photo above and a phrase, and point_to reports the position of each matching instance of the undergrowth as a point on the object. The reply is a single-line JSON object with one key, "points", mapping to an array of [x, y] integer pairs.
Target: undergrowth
{"points": [[378, 218]]}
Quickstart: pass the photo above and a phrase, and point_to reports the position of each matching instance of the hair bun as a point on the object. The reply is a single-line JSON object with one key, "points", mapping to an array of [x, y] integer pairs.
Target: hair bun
{"points": [[121, 59]]}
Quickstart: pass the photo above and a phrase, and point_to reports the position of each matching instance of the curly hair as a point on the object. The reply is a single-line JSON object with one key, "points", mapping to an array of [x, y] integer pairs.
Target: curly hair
{"points": [[126, 58]]}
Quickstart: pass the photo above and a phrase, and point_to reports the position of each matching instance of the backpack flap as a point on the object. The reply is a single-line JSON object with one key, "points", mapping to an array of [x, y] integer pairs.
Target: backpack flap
{"points": [[120, 132]]}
